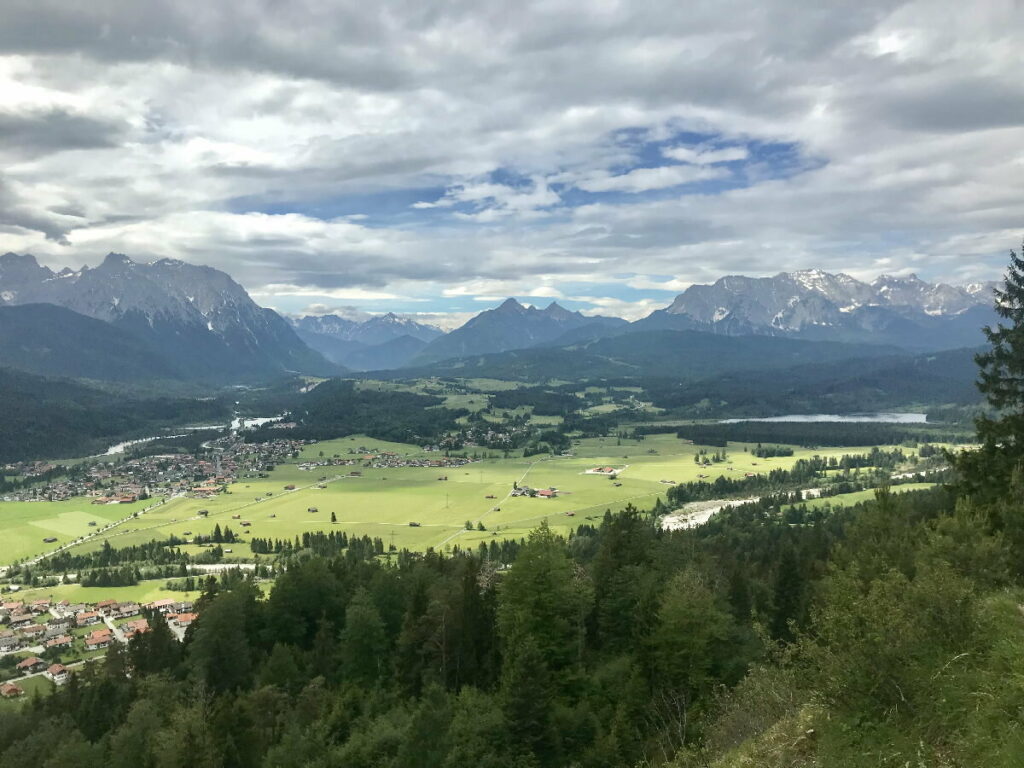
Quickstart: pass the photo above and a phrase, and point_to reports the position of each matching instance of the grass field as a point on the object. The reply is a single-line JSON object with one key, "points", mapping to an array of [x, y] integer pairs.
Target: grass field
{"points": [[143, 592], [849, 499], [31, 686], [383, 502], [26, 523]]}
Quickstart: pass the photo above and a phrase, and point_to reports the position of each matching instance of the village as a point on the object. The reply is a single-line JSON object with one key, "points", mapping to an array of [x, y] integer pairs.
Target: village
{"points": [[51, 638], [370, 459], [124, 481]]}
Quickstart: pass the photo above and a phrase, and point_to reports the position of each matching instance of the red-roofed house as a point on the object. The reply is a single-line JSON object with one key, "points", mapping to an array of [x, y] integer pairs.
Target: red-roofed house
{"points": [[86, 618], [58, 673], [31, 664], [133, 628], [10, 691], [101, 638], [106, 606]]}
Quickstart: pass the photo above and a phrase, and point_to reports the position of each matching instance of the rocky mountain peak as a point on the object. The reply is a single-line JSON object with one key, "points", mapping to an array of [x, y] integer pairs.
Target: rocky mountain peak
{"points": [[557, 311], [822, 304], [510, 305]]}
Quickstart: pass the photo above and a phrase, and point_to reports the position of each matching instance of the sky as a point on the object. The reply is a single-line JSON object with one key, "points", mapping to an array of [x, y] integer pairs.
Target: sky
{"points": [[434, 157]]}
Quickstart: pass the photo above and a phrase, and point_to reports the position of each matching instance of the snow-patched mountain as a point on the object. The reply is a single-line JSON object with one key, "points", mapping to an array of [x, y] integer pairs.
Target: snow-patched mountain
{"points": [[511, 326], [815, 304], [372, 331], [197, 318], [376, 343]]}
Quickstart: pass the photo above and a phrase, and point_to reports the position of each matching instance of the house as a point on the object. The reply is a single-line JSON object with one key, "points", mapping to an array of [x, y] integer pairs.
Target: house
{"points": [[184, 619], [547, 493], [10, 691], [9, 642], [21, 621], [40, 606], [33, 631], [60, 623], [99, 638], [58, 673], [106, 606], [86, 618], [163, 606], [31, 664], [133, 628], [6, 609], [64, 641], [124, 610]]}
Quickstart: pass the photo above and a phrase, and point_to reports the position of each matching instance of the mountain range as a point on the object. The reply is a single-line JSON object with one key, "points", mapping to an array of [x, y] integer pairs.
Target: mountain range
{"points": [[198, 321], [812, 304], [124, 320], [513, 326], [377, 343]]}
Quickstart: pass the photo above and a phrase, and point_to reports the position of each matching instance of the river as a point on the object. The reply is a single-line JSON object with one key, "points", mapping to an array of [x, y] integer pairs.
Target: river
{"points": [[236, 424]]}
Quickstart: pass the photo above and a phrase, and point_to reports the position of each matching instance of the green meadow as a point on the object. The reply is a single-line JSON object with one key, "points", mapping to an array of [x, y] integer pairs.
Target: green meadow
{"points": [[143, 592], [24, 524], [382, 502], [850, 499]]}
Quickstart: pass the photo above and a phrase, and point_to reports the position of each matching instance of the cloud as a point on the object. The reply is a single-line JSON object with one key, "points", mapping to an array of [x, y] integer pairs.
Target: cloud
{"points": [[440, 151], [645, 179], [29, 134], [345, 294], [706, 156]]}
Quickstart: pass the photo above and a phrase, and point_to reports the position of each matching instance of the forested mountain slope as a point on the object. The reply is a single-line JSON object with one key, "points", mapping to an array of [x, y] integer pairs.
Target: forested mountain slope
{"points": [[47, 418], [53, 341]]}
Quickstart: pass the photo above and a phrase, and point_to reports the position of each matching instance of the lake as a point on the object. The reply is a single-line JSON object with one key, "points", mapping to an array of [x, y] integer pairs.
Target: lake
{"points": [[879, 418]]}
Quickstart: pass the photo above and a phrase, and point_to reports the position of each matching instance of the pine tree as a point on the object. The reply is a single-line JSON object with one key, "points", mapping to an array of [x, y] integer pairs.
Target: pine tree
{"points": [[987, 473]]}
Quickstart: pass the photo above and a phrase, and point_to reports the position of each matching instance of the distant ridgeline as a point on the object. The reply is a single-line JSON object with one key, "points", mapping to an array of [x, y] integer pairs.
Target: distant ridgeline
{"points": [[817, 434]]}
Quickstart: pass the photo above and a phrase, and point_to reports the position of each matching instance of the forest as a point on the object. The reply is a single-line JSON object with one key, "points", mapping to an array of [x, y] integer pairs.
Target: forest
{"points": [[59, 418], [337, 407], [817, 434]]}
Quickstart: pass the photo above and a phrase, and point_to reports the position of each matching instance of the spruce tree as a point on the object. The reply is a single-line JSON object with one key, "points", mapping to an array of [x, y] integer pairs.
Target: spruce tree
{"points": [[987, 473]]}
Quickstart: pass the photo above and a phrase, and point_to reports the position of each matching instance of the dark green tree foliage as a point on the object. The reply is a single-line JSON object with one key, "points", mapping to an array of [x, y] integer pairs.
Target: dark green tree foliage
{"points": [[363, 640], [544, 602], [988, 473], [337, 408], [219, 652], [54, 418]]}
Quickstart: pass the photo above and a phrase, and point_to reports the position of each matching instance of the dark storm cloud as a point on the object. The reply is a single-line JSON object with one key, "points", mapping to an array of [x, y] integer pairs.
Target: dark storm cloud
{"points": [[54, 130]]}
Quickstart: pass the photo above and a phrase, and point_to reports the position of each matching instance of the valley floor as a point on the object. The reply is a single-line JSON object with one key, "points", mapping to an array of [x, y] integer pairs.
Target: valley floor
{"points": [[383, 502]]}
